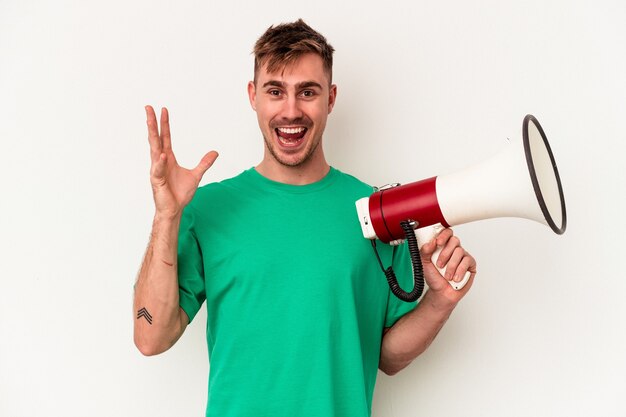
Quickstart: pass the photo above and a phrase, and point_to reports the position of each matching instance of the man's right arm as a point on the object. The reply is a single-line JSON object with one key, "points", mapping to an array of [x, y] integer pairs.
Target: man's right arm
{"points": [[159, 321]]}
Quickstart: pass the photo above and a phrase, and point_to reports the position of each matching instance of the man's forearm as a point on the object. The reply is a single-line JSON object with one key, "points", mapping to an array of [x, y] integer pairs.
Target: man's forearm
{"points": [[413, 333], [158, 319]]}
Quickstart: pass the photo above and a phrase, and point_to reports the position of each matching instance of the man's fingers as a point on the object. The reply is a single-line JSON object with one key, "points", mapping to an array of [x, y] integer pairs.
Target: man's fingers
{"points": [[153, 134], [166, 139], [468, 263], [453, 263], [205, 164], [443, 237], [449, 246]]}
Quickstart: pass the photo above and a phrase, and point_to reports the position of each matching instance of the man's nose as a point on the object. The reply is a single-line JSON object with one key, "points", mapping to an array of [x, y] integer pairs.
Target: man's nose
{"points": [[291, 108]]}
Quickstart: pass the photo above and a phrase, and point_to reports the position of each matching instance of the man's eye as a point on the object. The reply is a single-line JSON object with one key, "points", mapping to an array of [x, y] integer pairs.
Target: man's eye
{"points": [[308, 93], [274, 92]]}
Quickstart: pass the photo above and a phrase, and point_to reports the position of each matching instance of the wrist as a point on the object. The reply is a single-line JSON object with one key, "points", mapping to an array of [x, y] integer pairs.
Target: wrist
{"points": [[167, 216], [439, 301]]}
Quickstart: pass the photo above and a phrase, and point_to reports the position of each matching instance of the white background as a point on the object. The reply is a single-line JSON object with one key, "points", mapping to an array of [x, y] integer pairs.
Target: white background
{"points": [[425, 88]]}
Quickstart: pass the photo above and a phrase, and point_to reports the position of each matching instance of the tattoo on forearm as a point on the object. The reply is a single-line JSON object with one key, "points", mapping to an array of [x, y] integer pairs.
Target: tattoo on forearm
{"points": [[144, 313]]}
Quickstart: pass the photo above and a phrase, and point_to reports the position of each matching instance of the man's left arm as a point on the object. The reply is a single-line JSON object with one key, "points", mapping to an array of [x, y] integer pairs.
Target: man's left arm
{"points": [[415, 331]]}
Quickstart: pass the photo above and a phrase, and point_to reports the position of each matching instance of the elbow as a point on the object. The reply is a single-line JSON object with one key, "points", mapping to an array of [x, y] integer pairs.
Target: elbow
{"points": [[148, 348], [392, 369], [389, 371], [154, 341], [393, 360]]}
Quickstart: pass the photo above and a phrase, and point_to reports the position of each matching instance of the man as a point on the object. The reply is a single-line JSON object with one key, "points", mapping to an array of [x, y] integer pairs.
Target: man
{"points": [[299, 315]]}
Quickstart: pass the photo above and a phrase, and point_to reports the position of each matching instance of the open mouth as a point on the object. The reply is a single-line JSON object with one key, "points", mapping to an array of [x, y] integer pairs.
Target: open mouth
{"points": [[290, 136]]}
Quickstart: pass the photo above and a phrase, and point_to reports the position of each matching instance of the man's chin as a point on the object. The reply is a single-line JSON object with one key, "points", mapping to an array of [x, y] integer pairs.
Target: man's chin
{"points": [[291, 162], [291, 159]]}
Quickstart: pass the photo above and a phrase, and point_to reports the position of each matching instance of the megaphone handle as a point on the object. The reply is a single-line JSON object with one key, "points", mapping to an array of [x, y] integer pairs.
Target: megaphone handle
{"points": [[425, 235]]}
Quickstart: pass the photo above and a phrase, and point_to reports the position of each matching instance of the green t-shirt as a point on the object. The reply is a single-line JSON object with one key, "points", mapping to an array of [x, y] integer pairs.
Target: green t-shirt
{"points": [[296, 300]]}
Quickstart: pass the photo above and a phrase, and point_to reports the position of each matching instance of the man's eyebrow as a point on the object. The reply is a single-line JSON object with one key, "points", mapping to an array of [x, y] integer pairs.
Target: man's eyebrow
{"points": [[308, 84], [274, 83], [299, 86]]}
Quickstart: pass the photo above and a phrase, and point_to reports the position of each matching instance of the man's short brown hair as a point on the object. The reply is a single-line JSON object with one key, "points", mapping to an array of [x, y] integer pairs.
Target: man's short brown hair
{"points": [[282, 45]]}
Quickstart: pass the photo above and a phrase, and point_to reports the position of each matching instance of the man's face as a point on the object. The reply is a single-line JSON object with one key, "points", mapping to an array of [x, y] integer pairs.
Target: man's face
{"points": [[292, 106]]}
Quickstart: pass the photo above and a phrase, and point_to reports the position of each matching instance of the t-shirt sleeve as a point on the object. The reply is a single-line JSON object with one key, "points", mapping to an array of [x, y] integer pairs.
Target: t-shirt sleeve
{"points": [[191, 286], [397, 308]]}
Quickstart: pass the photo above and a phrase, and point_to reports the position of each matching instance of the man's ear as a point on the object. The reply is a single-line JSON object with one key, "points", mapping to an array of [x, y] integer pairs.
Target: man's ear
{"points": [[332, 96], [252, 94]]}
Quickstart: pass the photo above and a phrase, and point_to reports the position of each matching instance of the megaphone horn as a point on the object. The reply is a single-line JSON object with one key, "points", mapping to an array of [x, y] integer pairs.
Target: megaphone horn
{"points": [[521, 181]]}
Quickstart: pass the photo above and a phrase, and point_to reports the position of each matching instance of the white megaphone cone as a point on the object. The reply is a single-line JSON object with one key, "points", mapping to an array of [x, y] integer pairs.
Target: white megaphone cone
{"points": [[521, 181]]}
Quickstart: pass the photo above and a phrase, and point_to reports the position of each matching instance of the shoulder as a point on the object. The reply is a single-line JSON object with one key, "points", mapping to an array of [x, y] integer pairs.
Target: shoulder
{"points": [[353, 183], [216, 192]]}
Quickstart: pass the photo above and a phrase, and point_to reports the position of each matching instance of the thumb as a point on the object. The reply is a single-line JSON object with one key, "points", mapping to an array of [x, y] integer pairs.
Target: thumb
{"points": [[427, 250], [205, 163]]}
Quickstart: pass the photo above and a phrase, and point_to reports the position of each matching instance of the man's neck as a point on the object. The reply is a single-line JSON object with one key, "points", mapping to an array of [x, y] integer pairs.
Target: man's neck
{"points": [[309, 172]]}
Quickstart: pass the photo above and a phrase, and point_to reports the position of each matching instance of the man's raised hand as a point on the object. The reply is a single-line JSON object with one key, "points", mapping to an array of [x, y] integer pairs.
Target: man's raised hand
{"points": [[172, 185]]}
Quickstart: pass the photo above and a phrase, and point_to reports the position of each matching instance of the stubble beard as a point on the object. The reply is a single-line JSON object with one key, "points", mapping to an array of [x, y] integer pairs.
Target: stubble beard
{"points": [[308, 152], [292, 164]]}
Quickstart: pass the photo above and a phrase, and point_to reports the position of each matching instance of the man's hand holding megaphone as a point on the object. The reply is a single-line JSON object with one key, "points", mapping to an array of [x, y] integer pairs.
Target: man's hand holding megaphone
{"points": [[454, 260]]}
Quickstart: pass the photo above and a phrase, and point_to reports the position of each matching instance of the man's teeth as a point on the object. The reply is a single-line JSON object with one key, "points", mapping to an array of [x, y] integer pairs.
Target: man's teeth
{"points": [[291, 130]]}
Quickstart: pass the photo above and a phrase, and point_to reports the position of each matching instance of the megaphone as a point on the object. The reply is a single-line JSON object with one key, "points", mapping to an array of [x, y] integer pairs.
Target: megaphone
{"points": [[521, 181]]}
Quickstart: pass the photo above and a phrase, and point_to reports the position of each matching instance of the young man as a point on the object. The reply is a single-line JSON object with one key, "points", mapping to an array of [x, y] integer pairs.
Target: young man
{"points": [[299, 315]]}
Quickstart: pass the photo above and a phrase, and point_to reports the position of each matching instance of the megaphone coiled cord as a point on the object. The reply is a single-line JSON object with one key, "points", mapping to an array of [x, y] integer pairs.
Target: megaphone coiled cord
{"points": [[416, 262]]}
